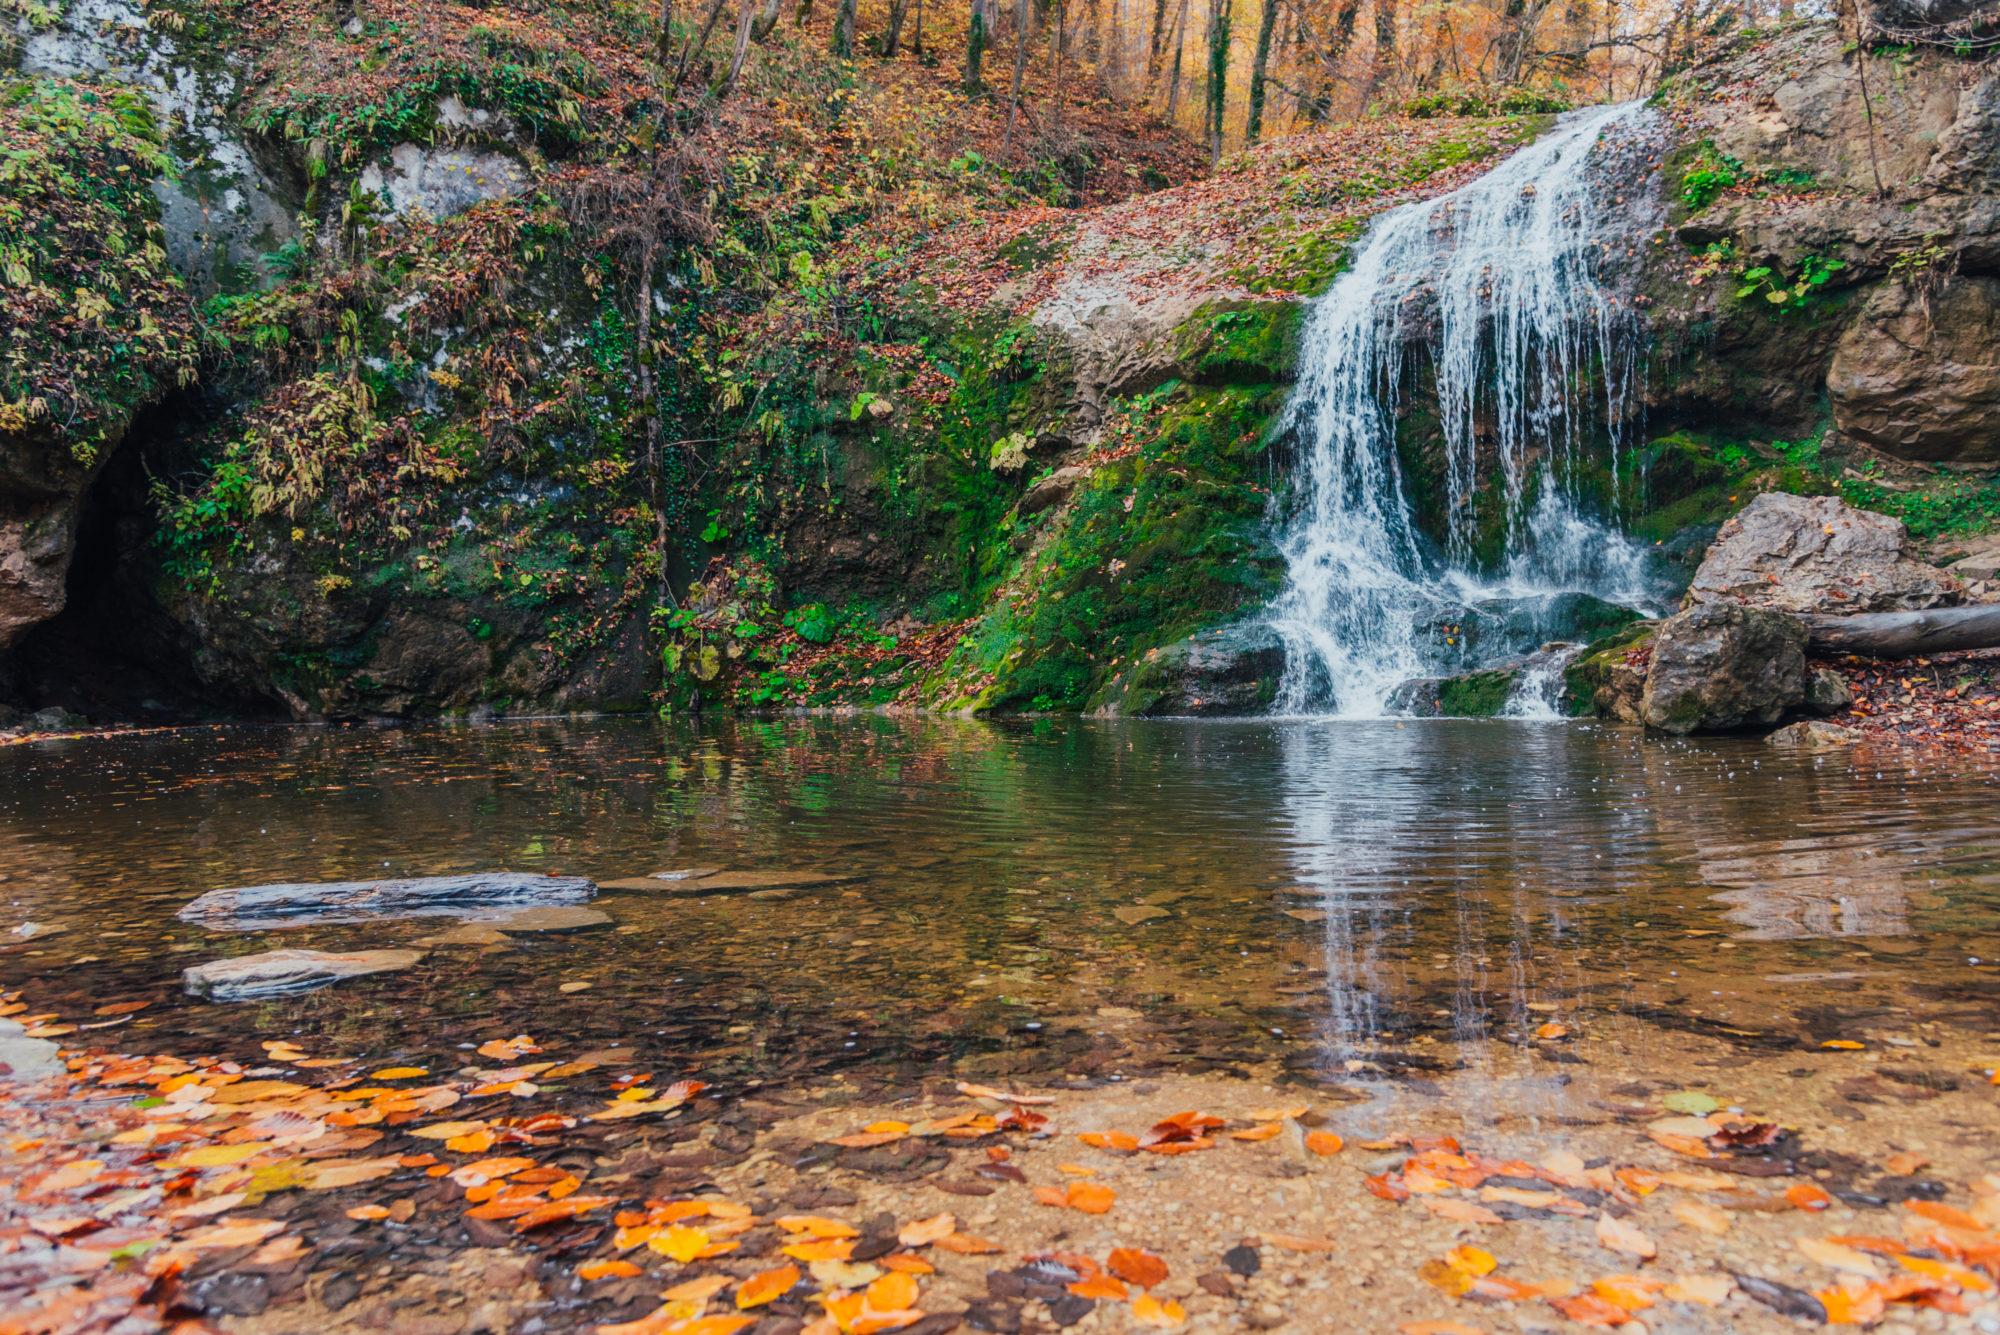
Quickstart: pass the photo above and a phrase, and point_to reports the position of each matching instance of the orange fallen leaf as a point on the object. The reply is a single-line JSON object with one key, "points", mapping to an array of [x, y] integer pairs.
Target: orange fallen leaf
{"points": [[1463, 1211], [1906, 1163], [1256, 1133], [608, 1270], [1091, 1197], [399, 1073], [1292, 1242], [908, 1264], [816, 1225], [1620, 1236], [1324, 1142], [862, 1140], [894, 1292], [1150, 1311], [1109, 1140], [1590, 1310], [987, 1092], [820, 1249], [767, 1286], [1552, 1030], [1055, 1196], [1138, 1266], [1940, 1213], [1631, 1292], [1806, 1196], [926, 1231], [697, 1290], [1688, 1145], [1843, 1044], [966, 1246], [1389, 1186], [369, 1212], [567, 1208], [1099, 1286]]}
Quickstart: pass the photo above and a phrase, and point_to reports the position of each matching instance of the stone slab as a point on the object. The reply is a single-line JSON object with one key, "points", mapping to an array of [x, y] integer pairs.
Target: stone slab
{"points": [[728, 882], [283, 973], [561, 918], [250, 908]]}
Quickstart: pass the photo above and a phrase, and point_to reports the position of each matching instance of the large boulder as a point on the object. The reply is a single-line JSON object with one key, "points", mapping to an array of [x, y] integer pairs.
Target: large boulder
{"points": [[1608, 679], [1233, 670], [1721, 666], [1818, 554], [1918, 374]]}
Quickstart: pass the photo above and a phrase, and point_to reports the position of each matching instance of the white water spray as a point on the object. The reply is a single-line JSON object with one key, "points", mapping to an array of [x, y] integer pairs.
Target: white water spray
{"points": [[1510, 284]]}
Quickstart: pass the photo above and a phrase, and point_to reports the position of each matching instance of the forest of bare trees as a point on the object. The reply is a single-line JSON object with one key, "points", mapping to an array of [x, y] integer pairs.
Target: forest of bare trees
{"points": [[1236, 72]]}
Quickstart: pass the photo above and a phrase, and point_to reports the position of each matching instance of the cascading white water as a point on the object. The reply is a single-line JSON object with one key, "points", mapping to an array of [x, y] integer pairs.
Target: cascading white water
{"points": [[1510, 284]]}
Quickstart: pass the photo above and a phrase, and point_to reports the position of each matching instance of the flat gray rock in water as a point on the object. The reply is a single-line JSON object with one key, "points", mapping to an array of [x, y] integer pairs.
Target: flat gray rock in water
{"points": [[247, 908], [280, 973], [1819, 554], [728, 881], [24, 1058], [559, 919]]}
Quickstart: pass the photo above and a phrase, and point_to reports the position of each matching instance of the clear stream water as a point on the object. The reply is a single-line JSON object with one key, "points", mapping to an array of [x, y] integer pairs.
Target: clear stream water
{"points": [[1409, 896], [1514, 289]]}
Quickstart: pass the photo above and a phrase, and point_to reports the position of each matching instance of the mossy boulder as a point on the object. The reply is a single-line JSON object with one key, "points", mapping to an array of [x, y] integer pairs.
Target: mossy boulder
{"points": [[1231, 670], [1608, 678]]}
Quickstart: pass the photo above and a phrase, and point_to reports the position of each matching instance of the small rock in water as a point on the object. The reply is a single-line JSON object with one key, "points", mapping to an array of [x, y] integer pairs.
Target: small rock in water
{"points": [[279, 973], [1813, 733], [35, 931], [1306, 915], [685, 874], [466, 934], [1134, 914], [561, 919], [248, 908]]}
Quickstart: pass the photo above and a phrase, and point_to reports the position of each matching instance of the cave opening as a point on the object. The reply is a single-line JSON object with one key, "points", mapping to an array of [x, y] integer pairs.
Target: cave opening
{"points": [[116, 653]]}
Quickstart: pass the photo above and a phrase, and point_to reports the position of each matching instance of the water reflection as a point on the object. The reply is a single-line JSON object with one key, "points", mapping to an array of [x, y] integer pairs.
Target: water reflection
{"points": [[1371, 904]]}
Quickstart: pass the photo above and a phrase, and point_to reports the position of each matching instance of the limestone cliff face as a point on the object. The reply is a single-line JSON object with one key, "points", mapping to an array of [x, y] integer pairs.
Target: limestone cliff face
{"points": [[1886, 165]]}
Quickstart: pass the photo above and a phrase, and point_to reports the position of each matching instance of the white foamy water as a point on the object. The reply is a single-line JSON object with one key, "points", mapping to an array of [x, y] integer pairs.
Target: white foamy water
{"points": [[1509, 287]]}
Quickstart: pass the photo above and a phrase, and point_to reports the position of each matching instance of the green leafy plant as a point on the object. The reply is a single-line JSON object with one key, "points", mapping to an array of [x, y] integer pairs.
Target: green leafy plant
{"points": [[1711, 173], [1795, 293]]}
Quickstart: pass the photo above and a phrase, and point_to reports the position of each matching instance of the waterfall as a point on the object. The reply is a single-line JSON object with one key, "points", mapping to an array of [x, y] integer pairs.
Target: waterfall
{"points": [[1512, 285]]}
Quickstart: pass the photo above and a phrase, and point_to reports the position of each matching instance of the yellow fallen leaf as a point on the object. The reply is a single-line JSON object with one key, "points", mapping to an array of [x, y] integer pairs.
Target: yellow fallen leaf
{"points": [[218, 1156], [1843, 1044], [839, 1274], [680, 1242], [1280, 1114], [1150, 1311], [369, 1212], [399, 1073], [446, 1130]]}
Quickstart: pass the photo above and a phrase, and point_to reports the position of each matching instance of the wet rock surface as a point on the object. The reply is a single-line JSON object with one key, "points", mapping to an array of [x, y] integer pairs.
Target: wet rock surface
{"points": [[1231, 670], [1813, 732], [1718, 667], [1818, 554], [250, 908], [283, 973]]}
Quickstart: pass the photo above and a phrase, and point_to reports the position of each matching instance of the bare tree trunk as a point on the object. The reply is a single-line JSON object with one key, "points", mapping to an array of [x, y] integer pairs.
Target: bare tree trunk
{"points": [[917, 42], [1021, 16], [802, 13], [1218, 77], [1259, 65], [1385, 49], [843, 29], [746, 19], [1062, 41], [975, 49], [766, 21], [1940, 630], [699, 43], [896, 13], [1159, 38], [663, 43], [1174, 82]]}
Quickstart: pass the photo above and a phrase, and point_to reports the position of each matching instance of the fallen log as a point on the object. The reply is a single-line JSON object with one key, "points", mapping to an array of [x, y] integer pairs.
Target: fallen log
{"points": [[1939, 630]]}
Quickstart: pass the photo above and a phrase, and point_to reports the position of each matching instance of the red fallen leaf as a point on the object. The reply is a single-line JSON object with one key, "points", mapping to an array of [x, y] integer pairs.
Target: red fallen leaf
{"points": [[1138, 1266], [1179, 1129], [1389, 1186], [1023, 1119], [1746, 1135]]}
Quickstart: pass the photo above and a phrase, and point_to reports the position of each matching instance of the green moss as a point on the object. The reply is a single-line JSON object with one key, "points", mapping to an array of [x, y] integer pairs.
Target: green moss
{"points": [[1592, 668], [1477, 694], [1241, 342]]}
